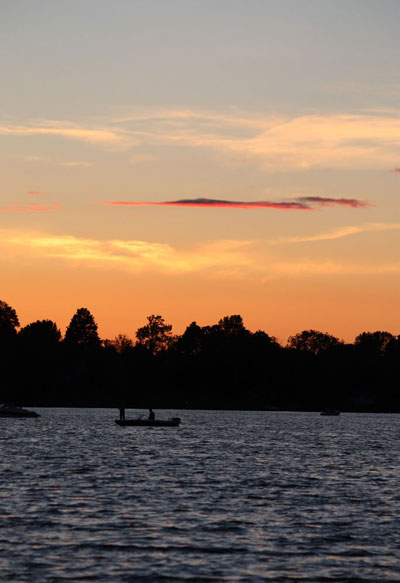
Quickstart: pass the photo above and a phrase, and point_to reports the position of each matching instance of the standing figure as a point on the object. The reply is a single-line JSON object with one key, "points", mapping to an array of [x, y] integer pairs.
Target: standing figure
{"points": [[151, 415], [122, 414]]}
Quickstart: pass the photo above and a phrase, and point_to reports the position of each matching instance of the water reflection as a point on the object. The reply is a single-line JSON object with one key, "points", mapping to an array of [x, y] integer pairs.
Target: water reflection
{"points": [[227, 496]]}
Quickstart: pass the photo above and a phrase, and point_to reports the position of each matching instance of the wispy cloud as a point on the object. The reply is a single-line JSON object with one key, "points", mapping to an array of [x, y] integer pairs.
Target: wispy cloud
{"points": [[367, 140], [76, 163], [302, 203], [35, 192], [327, 268], [106, 136], [224, 258], [130, 254], [32, 207], [339, 233], [36, 158], [48, 160]]}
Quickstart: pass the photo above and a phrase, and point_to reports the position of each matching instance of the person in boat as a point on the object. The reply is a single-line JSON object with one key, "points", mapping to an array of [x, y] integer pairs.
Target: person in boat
{"points": [[151, 415], [122, 413]]}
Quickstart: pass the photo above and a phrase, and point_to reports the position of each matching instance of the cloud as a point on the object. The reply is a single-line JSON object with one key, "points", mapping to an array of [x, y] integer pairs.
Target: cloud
{"points": [[35, 158], [327, 268], [224, 258], [75, 163], [302, 203], [131, 255], [339, 233], [211, 203], [326, 201], [33, 207], [367, 140], [396, 170], [51, 161], [276, 142], [171, 117], [35, 192], [111, 137]]}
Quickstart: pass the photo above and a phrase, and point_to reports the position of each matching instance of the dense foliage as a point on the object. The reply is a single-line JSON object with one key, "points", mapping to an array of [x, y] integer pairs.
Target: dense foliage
{"points": [[220, 366]]}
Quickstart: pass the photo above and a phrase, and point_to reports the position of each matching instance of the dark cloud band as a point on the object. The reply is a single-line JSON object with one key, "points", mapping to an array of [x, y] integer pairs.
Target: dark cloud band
{"points": [[301, 203], [327, 201]]}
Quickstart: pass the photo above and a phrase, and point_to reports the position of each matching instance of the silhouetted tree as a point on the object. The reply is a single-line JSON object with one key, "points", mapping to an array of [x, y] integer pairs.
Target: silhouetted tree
{"points": [[82, 330], [120, 343], [232, 325], [313, 341], [223, 365], [8, 321], [156, 335], [265, 338], [38, 351], [392, 349], [190, 342], [8, 356], [374, 342], [41, 334]]}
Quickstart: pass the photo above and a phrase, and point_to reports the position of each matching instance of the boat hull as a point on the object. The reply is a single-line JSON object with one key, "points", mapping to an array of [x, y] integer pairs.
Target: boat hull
{"points": [[146, 423]]}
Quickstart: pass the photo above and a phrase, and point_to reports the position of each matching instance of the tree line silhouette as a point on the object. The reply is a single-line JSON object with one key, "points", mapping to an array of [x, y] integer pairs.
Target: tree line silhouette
{"points": [[222, 366]]}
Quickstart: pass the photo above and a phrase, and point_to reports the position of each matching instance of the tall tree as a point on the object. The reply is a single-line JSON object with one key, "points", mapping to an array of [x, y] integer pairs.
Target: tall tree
{"points": [[38, 359], [82, 330], [8, 320], [9, 363], [191, 340], [156, 335]]}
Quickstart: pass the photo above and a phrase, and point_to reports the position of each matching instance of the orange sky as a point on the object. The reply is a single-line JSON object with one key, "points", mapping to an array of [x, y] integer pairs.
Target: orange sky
{"points": [[183, 163]]}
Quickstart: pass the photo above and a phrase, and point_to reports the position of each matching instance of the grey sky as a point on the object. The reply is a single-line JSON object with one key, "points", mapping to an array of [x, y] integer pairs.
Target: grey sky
{"points": [[70, 58]]}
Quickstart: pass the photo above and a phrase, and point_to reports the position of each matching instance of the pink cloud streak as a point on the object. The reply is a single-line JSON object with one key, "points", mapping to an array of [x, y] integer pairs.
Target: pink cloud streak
{"points": [[302, 203], [210, 203], [32, 207]]}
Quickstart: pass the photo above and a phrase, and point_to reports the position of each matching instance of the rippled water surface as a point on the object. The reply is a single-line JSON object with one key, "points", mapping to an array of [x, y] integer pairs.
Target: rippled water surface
{"points": [[227, 496]]}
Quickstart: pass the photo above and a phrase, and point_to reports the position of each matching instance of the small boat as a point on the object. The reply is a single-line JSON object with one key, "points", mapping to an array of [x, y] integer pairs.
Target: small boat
{"points": [[15, 411], [330, 412], [174, 422]]}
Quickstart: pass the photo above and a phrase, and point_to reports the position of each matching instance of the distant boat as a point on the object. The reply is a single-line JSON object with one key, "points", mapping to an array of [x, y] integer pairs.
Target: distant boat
{"points": [[174, 422], [15, 411], [332, 412]]}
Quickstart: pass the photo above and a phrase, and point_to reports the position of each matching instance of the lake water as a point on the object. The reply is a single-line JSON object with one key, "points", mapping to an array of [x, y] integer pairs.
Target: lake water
{"points": [[226, 497]]}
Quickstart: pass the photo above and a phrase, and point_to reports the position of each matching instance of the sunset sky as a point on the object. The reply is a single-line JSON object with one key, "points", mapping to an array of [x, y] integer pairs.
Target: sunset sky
{"points": [[197, 159]]}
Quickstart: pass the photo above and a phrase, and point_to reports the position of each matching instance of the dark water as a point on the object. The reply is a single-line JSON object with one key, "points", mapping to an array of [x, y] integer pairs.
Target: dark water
{"points": [[228, 496]]}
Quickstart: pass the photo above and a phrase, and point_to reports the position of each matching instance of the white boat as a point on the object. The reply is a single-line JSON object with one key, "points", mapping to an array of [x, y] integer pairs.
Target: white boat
{"points": [[15, 411]]}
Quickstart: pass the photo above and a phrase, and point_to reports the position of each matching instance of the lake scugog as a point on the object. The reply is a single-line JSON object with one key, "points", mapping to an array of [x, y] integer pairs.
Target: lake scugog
{"points": [[226, 497]]}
